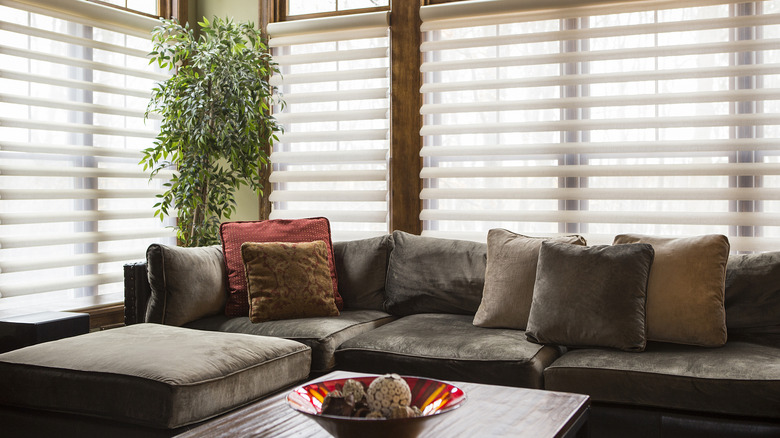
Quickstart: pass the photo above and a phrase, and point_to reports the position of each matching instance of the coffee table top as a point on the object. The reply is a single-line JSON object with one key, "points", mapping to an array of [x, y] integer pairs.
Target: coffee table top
{"points": [[494, 411]]}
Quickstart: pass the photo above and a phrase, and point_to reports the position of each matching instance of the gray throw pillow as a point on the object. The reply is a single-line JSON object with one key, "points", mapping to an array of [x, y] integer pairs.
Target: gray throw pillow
{"points": [[753, 291], [591, 296], [186, 283], [431, 275], [361, 266], [510, 277]]}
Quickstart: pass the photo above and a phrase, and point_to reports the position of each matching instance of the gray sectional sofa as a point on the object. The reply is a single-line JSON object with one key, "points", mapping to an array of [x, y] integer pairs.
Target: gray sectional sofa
{"points": [[409, 308]]}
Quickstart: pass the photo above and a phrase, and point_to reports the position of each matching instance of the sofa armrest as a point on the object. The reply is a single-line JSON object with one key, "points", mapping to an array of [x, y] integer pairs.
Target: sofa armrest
{"points": [[137, 292]]}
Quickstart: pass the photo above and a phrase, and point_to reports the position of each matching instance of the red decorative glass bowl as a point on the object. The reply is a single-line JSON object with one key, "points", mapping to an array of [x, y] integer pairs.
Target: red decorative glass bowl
{"points": [[433, 397]]}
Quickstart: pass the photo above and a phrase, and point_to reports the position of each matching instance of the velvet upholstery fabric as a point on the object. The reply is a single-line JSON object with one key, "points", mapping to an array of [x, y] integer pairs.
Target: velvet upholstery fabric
{"points": [[448, 347], [362, 270], [431, 275], [591, 296], [322, 334], [510, 277], [234, 234], [740, 378], [186, 283], [610, 420], [150, 374], [685, 294], [288, 280], [753, 291], [31, 423]]}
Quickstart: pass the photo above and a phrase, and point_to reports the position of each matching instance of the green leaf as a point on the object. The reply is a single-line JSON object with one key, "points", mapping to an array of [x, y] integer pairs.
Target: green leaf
{"points": [[215, 122]]}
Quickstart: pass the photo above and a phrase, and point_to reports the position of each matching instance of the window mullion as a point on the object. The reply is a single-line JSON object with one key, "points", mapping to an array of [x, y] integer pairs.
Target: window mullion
{"points": [[83, 96], [746, 107], [579, 136]]}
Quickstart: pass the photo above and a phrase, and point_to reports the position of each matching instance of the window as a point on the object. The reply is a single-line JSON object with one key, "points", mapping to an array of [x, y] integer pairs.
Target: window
{"points": [[74, 204], [145, 6], [332, 158], [308, 7], [650, 117]]}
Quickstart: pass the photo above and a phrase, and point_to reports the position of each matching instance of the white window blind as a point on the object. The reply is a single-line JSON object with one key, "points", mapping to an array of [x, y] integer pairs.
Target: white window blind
{"points": [[74, 203], [656, 117], [332, 158]]}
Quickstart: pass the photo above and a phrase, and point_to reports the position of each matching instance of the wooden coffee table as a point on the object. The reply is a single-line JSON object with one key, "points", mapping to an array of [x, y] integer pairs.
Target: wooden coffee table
{"points": [[489, 411]]}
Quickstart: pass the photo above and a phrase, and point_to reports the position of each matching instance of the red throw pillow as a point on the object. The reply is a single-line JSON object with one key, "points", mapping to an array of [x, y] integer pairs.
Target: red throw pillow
{"points": [[234, 234]]}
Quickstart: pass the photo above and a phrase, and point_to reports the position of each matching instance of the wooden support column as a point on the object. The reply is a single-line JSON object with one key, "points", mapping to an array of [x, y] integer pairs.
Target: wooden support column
{"points": [[405, 118], [268, 13]]}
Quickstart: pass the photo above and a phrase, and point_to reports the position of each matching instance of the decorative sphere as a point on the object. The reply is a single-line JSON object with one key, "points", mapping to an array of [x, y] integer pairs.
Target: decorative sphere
{"points": [[355, 388], [386, 392]]}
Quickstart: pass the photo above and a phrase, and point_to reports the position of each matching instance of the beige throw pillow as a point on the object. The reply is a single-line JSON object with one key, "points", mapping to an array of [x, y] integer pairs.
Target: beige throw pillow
{"points": [[685, 293], [510, 276]]}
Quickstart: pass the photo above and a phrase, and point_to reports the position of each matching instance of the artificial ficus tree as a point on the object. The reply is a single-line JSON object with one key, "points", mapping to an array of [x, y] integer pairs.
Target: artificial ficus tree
{"points": [[217, 129]]}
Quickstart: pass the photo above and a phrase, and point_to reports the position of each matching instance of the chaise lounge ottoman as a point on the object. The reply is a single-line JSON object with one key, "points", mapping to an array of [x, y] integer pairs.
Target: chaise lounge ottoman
{"points": [[148, 379]]}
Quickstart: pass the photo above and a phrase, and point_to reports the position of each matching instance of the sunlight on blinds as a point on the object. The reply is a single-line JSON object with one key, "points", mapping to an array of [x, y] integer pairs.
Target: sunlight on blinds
{"points": [[653, 117], [332, 158], [74, 203]]}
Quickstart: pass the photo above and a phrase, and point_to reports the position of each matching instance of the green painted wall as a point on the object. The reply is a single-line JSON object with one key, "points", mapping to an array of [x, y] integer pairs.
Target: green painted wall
{"points": [[238, 10], [248, 205]]}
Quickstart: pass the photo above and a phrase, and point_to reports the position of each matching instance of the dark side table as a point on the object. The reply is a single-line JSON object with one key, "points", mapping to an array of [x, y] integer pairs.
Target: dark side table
{"points": [[23, 330]]}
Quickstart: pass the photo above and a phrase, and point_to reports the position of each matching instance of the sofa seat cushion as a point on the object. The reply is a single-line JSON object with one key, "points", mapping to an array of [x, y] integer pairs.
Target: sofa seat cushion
{"points": [[322, 334], [740, 378], [448, 347], [153, 375]]}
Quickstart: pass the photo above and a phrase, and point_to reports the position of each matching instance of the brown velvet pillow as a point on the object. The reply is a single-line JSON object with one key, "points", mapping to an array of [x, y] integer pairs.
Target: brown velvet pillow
{"points": [[288, 280], [510, 277], [685, 294], [590, 296]]}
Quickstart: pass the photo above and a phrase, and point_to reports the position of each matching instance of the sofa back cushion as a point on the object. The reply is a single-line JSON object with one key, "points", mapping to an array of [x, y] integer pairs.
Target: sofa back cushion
{"points": [[753, 291], [362, 268], [186, 283], [431, 275]]}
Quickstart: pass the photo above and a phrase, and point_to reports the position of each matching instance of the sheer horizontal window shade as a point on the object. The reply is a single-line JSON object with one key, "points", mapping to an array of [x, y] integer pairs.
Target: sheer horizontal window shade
{"points": [[601, 118], [331, 159], [75, 204]]}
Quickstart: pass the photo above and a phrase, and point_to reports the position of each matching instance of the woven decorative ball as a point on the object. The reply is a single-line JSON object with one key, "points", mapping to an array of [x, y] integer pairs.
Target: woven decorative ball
{"points": [[386, 392], [355, 388]]}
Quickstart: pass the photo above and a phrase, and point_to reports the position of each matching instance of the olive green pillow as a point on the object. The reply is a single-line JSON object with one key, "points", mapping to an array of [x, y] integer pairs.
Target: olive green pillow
{"points": [[288, 280], [510, 277], [685, 294], [590, 296]]}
